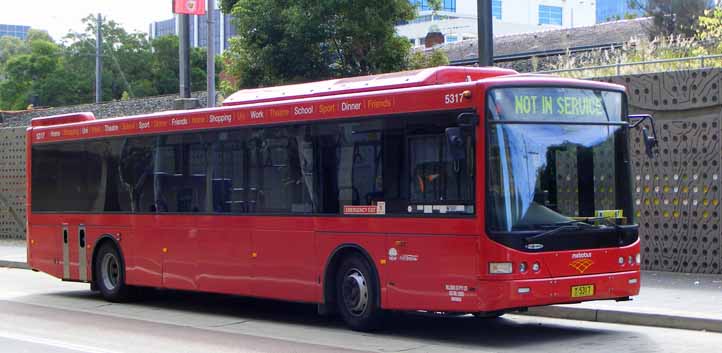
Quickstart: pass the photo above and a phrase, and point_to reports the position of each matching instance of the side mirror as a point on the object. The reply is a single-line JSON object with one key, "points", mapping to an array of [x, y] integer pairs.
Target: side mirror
{"points": [[455, 140], [467, 119], [650, 142]]}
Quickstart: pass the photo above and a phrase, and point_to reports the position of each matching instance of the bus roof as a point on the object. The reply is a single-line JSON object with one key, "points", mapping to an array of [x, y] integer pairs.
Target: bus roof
{"points": [[416, 78]]}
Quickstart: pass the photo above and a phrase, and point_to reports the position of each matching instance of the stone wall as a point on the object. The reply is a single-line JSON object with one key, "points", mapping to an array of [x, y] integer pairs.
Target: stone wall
{"points": [[101, 111]]}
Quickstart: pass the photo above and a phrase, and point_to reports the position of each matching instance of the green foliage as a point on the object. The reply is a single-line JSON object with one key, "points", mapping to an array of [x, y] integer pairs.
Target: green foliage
{"points": [[673, 16], [708, 41], [638, 51], [38, 35], [286, 41], [125, 59], [226, 6], [9, 47], [30, 74], [710, 25], [51, 74], [420, 59], [435, 6]]}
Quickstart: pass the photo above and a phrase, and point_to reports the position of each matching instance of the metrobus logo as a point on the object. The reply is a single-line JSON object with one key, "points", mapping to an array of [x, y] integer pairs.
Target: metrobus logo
{"points": [[581, 265]]}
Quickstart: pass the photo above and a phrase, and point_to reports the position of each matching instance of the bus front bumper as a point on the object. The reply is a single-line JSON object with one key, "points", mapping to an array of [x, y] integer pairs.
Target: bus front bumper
{"points": [[513, 294]]}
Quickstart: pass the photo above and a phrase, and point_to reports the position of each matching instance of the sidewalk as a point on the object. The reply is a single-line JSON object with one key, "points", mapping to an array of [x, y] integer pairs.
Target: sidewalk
{"points": [[13, 254], [673, 300]]}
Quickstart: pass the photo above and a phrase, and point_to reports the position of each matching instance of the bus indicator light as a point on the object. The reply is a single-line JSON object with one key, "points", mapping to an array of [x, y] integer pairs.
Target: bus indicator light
{"points": [[500, 268]]}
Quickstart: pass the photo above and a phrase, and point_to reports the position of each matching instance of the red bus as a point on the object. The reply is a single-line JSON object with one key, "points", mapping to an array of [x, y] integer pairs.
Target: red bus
{"points": [[457, 190]]}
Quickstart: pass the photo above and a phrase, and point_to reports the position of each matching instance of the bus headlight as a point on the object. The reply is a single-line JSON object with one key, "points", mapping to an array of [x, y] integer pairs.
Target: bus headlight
{"points": [[500, 268], [523, 267], [621, 261], [535, 267], [639, 259]]}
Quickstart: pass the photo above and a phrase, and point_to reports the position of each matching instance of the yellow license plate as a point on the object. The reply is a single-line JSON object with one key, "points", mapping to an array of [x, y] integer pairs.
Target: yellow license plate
{"points": [[583, 291]]}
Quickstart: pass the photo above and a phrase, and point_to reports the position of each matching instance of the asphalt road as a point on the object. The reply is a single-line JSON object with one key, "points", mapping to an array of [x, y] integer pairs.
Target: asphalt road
{"points": [[41, 314]]}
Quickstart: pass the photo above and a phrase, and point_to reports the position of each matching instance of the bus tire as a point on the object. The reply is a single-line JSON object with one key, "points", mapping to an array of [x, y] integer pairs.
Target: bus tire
{"points": [[109, 270], [357, 294]]}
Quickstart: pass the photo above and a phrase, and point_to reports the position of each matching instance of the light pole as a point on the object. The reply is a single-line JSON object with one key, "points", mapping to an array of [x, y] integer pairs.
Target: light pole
{"points": [[486, 33], [184, 56], [211, 65]]}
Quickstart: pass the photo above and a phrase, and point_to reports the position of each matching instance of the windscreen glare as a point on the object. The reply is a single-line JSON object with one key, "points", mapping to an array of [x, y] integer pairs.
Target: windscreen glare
{"points": [[544, 167]]}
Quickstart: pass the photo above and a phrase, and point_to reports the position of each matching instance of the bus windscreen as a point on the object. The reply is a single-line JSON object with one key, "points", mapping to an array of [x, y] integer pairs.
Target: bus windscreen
{"points": [[544, 168], [556, 104]]}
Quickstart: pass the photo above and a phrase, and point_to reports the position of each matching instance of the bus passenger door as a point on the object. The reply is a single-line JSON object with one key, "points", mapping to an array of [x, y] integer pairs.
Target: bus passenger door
{"points": [[75, 258]]}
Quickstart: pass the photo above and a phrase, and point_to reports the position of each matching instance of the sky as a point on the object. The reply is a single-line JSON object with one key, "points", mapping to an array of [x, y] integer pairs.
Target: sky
{"points": [[60, 16]]}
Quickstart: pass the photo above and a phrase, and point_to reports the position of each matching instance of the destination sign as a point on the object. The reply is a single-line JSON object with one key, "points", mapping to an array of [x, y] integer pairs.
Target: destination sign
{"points": [[539, 104], [554, 103]]}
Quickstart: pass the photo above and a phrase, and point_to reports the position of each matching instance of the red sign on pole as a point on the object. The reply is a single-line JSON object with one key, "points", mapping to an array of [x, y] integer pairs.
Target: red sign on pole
{"points": [[189, 7]]}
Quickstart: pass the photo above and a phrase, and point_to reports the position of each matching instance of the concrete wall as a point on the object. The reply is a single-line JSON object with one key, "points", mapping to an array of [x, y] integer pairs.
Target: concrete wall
{"points": [[12, 183], [677, 194]]}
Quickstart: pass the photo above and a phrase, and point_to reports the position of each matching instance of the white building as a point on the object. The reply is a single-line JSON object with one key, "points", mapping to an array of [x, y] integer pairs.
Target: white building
{"points": [[457, 20]]}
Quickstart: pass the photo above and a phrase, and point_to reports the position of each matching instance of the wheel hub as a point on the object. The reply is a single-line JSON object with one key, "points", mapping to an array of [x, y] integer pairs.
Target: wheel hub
{"points": [[110, 272], [355, 292]]}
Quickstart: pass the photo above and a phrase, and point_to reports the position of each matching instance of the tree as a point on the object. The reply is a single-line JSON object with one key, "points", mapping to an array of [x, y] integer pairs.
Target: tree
{"points": [[672, 16], [283, 41], [126, 58], [226, 6], [28, 76], [420, 60], [710, 25], [9, 47], [164, 65], [435, 6]]}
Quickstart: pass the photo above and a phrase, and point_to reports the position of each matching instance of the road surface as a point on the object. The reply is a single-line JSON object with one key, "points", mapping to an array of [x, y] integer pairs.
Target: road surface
{"points": [[41, 314]]}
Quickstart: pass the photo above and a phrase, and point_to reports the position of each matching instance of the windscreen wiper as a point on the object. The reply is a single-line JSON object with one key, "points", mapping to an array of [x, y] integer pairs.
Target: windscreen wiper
{"points": [[571, 225]]}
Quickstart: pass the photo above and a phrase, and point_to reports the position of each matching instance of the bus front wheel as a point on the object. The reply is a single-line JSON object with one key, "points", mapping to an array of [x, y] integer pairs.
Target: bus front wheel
{"points": [[110, 274], [357, 294]]}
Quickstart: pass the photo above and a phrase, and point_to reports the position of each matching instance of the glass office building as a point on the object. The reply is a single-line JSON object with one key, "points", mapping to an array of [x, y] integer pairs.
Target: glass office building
{"points": [[612, 10], [224, 30], [14, 31]]}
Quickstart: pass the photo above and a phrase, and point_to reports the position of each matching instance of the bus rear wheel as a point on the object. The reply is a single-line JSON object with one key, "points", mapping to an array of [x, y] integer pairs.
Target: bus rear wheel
{"points": [[110, 274], [357, 294]]}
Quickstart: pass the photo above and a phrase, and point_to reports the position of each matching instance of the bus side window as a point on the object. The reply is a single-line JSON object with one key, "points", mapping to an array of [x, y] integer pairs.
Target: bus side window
{"points": [[136, 173]]}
